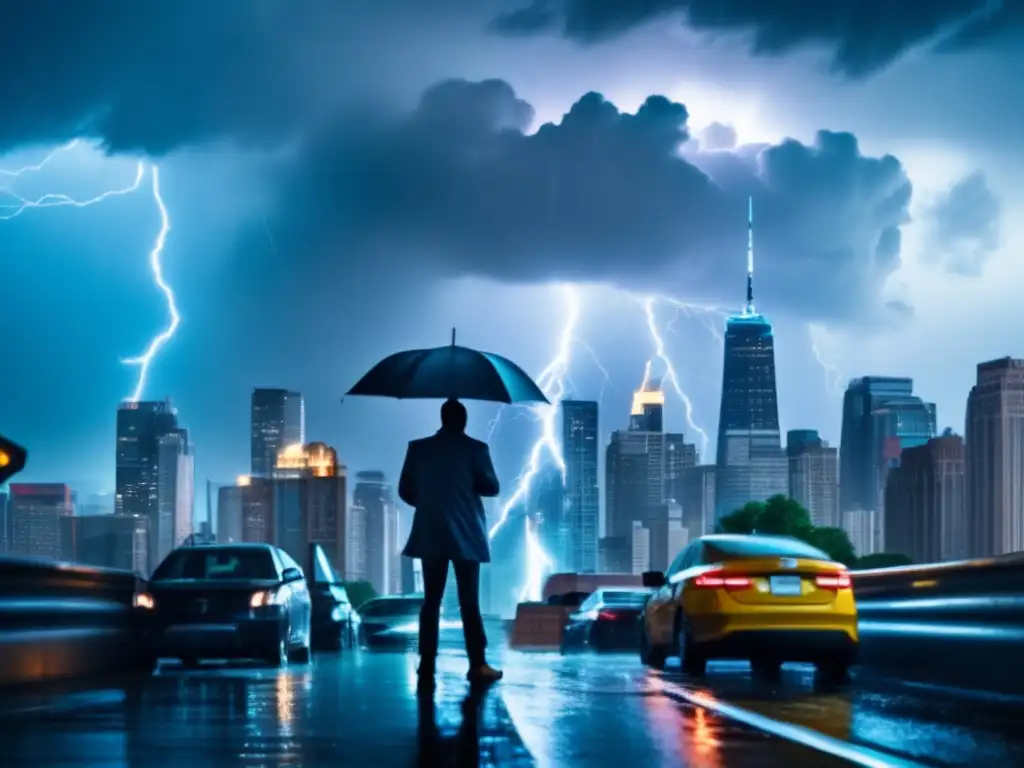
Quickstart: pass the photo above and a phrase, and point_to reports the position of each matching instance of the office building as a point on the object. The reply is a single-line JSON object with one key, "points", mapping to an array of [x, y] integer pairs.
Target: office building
{"points": [[864, 529], [375, 496], [814, 476], [995, 459], [698, 500], [35, 511], [3, 522], [230, 503], [137, 486], [278, 421], [751, 465], [107, 541], [667, 535], [582, 501], [925, 504], [679, 457], [308, 492], [881, 417], [175, 502]]}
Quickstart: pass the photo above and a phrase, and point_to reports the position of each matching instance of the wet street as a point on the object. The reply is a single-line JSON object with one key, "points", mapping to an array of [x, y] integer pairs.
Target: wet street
{"points": [[360, 708]]}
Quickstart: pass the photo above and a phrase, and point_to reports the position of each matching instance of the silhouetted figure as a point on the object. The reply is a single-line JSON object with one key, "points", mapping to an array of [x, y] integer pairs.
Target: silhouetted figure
{"points": [[443, 478]]}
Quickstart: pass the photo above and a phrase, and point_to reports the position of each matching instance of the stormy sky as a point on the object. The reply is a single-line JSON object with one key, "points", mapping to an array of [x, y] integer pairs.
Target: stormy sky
{"points": [[345, 179]]}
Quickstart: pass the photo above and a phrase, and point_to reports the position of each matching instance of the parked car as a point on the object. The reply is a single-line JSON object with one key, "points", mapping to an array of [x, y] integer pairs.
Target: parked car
{"points": [[247, 601]]}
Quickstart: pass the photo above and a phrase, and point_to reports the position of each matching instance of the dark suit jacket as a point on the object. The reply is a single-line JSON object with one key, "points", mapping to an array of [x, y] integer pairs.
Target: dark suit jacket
{"points": [[443, 478]]}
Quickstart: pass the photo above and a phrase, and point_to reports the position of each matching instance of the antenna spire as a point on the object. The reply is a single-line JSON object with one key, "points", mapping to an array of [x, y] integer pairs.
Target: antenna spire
{"points": [[749, 308]]}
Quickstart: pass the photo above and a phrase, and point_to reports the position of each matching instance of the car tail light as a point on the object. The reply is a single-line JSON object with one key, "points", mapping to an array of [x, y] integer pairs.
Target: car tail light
{"points": [[833, 581], [606, 615], [719, 580]]}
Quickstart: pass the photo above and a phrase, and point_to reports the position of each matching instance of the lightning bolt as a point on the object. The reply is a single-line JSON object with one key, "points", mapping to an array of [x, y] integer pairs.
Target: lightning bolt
{"points": [[21, 205], [825, 355], [145, 360], [661, 354], [554, 382]]}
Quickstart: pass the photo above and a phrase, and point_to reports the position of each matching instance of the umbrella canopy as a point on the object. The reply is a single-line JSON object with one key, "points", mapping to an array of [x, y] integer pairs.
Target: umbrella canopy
{"points": [[449, 372]]}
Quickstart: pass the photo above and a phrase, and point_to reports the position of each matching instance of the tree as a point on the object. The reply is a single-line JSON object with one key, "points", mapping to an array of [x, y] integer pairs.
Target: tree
{"points": [[743, 520], [359, 593], [783, 516], [835, 543], [881, 560]]}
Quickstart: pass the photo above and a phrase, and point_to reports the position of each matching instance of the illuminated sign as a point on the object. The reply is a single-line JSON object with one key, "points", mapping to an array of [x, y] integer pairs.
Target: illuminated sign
{"points": [[12, 459]]}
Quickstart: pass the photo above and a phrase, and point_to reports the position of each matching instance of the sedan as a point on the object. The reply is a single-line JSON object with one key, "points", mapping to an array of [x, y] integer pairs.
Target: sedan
{"points": [[766, 599], [608, 620], [238, 601]]}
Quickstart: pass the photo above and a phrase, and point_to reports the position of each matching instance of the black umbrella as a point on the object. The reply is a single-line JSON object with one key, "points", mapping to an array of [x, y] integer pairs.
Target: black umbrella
{"points": [[449, 372]]}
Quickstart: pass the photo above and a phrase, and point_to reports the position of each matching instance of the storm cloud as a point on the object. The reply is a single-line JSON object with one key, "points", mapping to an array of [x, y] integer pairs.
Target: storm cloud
{"points": [[464, 186], [862, 37], [965, 226]]}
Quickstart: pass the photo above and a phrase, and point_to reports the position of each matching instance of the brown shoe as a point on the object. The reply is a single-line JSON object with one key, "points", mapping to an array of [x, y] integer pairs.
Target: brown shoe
{"points": [[485, 673]]}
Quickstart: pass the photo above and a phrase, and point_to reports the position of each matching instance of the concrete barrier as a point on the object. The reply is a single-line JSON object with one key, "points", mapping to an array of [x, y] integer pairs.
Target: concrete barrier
{"points": [[60, 621], [949, 623], [539, 626]]}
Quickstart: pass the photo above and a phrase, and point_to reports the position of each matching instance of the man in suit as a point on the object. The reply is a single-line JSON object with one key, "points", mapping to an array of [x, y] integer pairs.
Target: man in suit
{"points": [[443, 478]]}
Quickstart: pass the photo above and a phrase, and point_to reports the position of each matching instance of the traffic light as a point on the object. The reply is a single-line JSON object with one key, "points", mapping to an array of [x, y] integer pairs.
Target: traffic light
{"points": [[12, 459]]}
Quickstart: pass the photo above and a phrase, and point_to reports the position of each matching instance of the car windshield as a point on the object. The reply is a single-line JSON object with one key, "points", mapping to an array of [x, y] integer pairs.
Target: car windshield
{"points": [[624, 598], [219, 563], [741, 548], [403, 607]]}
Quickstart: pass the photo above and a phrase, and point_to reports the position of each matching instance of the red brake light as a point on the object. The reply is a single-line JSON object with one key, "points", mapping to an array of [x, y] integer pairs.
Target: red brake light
{"points": [[605, 615], [718, 580], [833, 581]]}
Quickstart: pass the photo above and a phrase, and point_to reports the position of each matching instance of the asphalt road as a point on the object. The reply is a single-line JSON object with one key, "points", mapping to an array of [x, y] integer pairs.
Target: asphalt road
{"points": [[360, 708]]}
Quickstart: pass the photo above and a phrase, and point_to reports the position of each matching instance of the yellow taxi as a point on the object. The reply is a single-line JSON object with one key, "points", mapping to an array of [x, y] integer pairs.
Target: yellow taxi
{"points": [[766, 599]]}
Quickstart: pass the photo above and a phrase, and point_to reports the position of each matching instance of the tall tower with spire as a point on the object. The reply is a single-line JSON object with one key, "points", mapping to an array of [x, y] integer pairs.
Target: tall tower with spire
{"points": [[751, 464]]}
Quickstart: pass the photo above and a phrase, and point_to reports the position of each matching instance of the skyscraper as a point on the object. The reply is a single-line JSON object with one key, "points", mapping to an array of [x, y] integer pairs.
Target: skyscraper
{"points": [[375, 495], [278, 421], [881, 418], [995, 459], [814, 475], [175, 495], [751, 465], [582, 502], [925, 505], [35, 513], [137, 478]]}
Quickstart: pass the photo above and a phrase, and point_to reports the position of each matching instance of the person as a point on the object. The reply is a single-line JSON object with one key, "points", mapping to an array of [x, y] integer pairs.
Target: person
{"points": [[443, 479]]}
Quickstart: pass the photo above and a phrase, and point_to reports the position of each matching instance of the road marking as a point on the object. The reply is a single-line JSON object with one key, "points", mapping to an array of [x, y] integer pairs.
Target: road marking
{"points": [[863, 756]]}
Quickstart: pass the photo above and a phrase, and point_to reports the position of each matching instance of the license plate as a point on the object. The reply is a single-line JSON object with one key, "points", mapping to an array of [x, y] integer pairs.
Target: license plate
{"points": [[786, 586]]}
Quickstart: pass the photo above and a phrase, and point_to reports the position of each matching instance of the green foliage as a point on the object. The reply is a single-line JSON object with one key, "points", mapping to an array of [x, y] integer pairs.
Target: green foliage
{"points": [[881, 560], [359, 592], [782, 516], [835, 543]]}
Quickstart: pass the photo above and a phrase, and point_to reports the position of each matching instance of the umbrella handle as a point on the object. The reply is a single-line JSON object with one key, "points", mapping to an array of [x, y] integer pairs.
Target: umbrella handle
{"points": [[453, 336]]}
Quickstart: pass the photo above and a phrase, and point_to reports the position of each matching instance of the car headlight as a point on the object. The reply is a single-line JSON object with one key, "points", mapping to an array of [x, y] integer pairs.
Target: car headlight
{"points": [[144, 600], [336, 613], [266, 597]]}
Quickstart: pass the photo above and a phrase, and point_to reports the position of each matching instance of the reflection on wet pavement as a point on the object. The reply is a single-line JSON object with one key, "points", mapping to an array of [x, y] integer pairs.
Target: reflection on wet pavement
{"points": [[360, 708]]}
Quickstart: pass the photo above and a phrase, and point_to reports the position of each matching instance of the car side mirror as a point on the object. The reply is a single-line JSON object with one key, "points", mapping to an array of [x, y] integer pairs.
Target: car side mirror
{"points": [[653, 579], [291, 574]]}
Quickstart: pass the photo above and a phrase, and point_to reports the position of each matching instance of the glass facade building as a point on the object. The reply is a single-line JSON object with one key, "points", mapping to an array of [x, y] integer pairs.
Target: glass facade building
{"points": [[278, 421], [751, 465], [582, 499]]}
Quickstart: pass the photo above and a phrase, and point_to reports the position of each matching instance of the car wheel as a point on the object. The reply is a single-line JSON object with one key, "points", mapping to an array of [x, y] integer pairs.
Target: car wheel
{"points": [[766, 669], [690, 660], [651, 655], [833, 672], [279, 656]]}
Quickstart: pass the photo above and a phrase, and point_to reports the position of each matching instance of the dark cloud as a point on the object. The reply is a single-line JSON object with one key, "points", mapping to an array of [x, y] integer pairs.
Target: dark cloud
{"points": [[718, 136], [862, 36], [460, 186], [965, 226]]}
